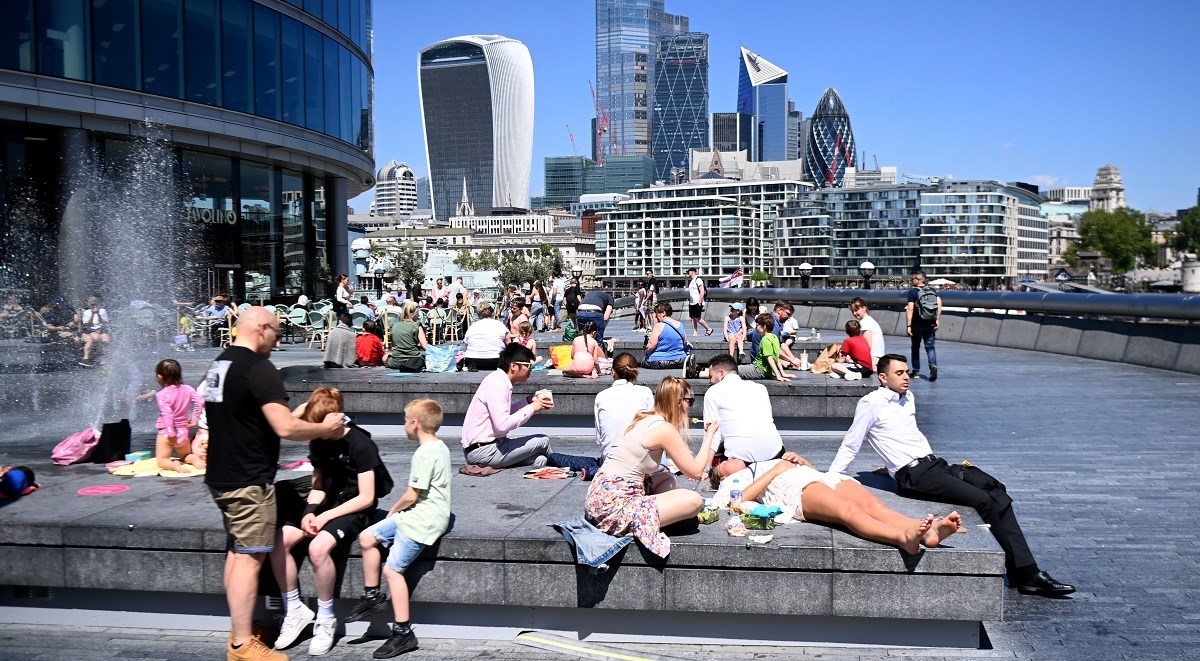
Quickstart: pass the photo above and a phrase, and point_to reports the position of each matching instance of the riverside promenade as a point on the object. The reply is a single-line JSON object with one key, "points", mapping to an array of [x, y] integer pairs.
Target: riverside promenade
{"points": [[1096, 455]]}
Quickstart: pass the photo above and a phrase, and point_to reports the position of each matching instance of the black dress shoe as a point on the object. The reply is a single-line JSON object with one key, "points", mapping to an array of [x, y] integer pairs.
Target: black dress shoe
{"points": [[1043, 585]]}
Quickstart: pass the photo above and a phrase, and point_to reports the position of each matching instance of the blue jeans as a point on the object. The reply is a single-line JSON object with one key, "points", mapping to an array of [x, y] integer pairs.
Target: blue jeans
{"points": [[922, 333], [404, 551], [596, 318]]}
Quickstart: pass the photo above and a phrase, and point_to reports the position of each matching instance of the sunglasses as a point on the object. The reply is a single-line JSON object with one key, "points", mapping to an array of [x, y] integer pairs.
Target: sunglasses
{"points": [[526, 363], [689, 400]]}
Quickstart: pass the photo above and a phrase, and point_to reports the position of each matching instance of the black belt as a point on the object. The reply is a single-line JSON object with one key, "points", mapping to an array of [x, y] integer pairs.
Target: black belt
{"points": [[475, 446], [914, 462]]}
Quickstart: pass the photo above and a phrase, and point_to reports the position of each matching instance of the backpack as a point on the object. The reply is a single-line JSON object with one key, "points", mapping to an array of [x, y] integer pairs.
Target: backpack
{"points": [[927, 303], [75, 448], [569, 331]]}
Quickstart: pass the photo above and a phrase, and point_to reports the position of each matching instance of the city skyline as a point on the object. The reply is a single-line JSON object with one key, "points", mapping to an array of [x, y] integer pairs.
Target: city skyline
{"points": [[927, 94]]}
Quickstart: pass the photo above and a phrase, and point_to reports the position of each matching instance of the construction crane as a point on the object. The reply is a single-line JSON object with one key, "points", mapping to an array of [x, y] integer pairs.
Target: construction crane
{"points": [[601, 125], [572, 137]]}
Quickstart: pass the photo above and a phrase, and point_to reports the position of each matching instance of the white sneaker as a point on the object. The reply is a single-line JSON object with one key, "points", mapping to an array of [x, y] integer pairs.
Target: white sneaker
{"points": [[322, 640], [293, 625]]}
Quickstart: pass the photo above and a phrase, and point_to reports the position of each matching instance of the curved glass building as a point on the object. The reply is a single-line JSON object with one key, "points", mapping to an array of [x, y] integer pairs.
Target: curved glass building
{"points": [[830, 148], [265, 106], [477, 109]]}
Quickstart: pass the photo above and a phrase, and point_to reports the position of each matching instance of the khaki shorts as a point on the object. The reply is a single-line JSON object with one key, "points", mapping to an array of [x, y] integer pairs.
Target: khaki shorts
{"points": [[249, 517]]}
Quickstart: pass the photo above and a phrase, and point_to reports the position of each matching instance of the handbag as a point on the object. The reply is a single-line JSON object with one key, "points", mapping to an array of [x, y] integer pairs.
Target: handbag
{"points": [[75, 448], [114, 442]]}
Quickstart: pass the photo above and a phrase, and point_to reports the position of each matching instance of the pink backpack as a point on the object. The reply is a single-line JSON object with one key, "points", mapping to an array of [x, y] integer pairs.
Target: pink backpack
{"points": [[75, 448]]}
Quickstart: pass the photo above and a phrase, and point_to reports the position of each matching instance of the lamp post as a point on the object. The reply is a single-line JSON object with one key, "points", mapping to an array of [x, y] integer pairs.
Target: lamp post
{"points": [[805, 274], [577, 273], [866, 270], [379, 273]]}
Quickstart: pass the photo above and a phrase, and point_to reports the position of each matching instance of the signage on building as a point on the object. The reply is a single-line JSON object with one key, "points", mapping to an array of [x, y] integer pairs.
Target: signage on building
{"points": [[213, 216]]}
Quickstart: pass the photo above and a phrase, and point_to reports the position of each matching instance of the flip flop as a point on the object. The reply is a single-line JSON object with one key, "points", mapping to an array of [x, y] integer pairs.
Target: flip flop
{"points": [[708, 332]]}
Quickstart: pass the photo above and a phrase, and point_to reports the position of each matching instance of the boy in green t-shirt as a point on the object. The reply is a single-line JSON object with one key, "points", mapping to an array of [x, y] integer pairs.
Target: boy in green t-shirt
{"points": [[416, 520], [769, 351]]}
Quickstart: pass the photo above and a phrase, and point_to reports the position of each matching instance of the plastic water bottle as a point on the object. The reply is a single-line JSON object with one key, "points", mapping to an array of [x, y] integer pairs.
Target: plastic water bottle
{"points": [[804, 360], [735, 492]]}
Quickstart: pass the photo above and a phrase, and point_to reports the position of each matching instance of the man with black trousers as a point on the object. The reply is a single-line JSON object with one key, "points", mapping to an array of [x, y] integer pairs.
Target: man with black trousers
{"points": [[887, 419]]}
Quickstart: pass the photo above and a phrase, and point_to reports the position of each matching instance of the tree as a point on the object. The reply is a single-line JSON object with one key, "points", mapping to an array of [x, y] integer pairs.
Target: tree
{"points": [[408, 266], [1121, 235], [517, 267], [484, 260], [1187, 232]]}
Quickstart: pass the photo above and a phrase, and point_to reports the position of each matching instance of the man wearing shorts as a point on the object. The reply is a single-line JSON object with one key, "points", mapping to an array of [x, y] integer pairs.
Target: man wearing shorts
{"points": [[696, 295], [246, 405]]}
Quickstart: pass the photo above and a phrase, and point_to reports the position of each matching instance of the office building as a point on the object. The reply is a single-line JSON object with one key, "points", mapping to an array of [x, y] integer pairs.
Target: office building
{"points": [[567, 178], [424, 201], [983, 233], [731, 131], [830, 148], [795, 119], [564, 180], [737, 166], [976, 233], [680, 117], [763, 93], [477, 108], [1068, 194], [854, 178], [714, 226], [626, 31], [263, 109], [1108, 191], [395, 190]]}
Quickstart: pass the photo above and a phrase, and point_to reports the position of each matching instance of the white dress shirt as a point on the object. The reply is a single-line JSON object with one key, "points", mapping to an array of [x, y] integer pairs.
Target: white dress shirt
{"points": [[888, 421], [615, 407], [747, 424]]}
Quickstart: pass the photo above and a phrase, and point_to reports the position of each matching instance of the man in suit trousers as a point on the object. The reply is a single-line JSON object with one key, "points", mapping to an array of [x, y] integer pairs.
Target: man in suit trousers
{"points": [[887, 419]]}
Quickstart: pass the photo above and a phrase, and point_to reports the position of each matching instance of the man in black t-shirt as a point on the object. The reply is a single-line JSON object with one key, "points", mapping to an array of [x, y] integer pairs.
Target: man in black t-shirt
{"points": [[246, 405]]}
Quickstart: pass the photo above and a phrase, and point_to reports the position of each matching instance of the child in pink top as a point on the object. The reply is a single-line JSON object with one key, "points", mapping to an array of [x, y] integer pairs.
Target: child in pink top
{"points": [[174, 401]]}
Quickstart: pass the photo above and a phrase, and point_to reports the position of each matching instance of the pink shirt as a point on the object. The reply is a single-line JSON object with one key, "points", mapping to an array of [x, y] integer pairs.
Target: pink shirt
{"points": [[173, 407], [492, 413]]}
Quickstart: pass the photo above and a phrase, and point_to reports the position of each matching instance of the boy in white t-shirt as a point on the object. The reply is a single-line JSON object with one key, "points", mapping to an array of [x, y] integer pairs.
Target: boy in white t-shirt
{"points": [[416, 521]]}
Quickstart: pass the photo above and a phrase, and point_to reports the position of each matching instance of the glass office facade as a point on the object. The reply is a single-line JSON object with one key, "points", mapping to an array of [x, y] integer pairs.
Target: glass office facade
{"points": [[261, 215], [625, 62], [310, 67], [457, 105], [680, 102], [830, 144], [731, 131]]}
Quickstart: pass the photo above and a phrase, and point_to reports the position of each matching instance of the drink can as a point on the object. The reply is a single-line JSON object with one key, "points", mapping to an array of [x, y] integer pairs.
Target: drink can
{"points": [[735, 497]]}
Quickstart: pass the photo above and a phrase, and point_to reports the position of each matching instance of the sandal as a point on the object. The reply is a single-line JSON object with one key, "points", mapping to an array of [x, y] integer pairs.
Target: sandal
{"points": [[708, 332]]}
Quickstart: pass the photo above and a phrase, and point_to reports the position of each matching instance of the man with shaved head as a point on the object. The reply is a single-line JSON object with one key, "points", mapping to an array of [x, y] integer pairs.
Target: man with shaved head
{"points": [[247, 415]]}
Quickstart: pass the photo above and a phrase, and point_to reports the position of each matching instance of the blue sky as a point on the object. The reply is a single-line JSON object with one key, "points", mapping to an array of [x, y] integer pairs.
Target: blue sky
{"points": [[1044, 92]]}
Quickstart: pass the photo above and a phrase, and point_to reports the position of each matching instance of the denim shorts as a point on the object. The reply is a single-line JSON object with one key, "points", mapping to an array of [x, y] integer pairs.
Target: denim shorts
{"points": [[404, 551]]}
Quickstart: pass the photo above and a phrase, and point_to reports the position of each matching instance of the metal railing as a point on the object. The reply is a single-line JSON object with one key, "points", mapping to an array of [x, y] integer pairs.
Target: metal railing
{"points": [[1181, 307]]}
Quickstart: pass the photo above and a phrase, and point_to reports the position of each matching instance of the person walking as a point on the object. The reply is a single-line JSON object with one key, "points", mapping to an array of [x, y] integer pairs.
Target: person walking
{"points": [[697, 293], [246, 406], [924, 316]]}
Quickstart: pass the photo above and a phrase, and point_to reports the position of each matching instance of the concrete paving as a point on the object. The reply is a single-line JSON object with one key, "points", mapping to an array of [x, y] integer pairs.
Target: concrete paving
{"points": [[1098, 457]]}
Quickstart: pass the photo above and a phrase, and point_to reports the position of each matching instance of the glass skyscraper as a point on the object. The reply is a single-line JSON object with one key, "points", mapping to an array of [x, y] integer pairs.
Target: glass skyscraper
{"points": [[680, 121], [830, 148], [470, 87], [625, 35], [569, 177], [763, 93], [731, 131]]}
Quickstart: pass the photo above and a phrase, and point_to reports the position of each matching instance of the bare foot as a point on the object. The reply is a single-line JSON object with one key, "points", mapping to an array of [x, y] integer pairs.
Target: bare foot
{"points": [[942, 529], [912, 536]]}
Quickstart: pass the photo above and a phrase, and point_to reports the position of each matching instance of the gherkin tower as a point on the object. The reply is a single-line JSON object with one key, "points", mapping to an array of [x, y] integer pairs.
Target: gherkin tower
{"points": [[830, 147]]}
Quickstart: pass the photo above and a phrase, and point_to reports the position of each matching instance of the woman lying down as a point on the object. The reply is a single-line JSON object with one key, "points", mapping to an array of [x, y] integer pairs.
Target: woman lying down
{"points": [[793, 485]]}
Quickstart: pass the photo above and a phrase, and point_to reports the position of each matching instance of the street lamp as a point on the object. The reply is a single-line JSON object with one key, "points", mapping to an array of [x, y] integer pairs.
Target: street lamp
{"points": [[805, 274], [866, 270], [379, 273], [577, 272]]}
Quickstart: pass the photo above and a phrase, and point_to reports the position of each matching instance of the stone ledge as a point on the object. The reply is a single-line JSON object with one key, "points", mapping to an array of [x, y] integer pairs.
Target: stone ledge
{"points": [[372, 390], [501, 552]]}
